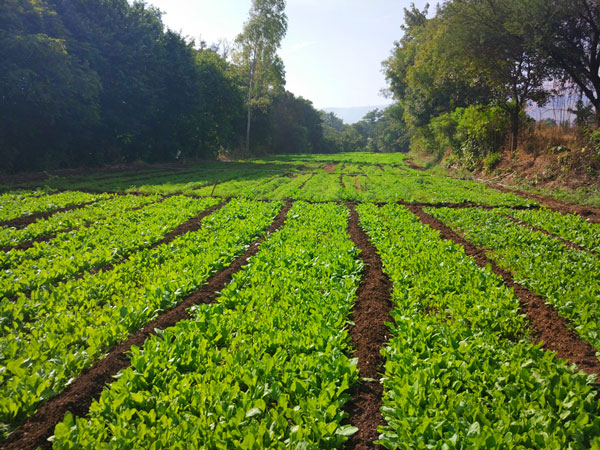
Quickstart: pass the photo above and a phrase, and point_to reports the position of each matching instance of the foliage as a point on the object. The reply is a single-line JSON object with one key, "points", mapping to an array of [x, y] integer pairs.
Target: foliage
{"points": [[257, 55], [266, 367], [460, 370], [570, 227], [379, 131], [492, 160], [289, 125], [73, 219], [563, 276], [27, 203], [82, 318], [89, 82], [567, 32], [108, 241], [469, 134]]}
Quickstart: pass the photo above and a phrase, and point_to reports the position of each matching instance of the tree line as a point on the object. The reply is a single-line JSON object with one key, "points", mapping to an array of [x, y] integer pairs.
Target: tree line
{"points": [[89, 82], [463, 76]]}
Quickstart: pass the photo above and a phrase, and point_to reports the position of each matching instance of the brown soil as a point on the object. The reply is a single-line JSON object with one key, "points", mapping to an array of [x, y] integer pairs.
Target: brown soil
{"points": [[410, 163], [545, 323], [591, 214], [368, 335], [190, 226], [461, 205], [78, 397], [357, 184], [342, 181], [330, 167], [540, 161], [571, 245], [22, 222], [306, 181], [28, 244]]}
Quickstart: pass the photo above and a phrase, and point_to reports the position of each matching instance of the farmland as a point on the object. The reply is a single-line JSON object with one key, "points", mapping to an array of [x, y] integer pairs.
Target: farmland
{"points": [[301, 301]]}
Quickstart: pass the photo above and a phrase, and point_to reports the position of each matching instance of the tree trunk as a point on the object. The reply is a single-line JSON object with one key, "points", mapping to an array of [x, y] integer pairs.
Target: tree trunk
{"points": [[248, 129], [514, 128]]}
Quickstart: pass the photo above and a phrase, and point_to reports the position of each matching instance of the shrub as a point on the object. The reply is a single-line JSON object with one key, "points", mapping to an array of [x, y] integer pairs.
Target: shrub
{"points": [[492, 160]]}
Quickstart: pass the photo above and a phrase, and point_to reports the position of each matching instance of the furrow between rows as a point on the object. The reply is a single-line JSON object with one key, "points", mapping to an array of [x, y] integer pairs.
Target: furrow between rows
{"points": [[546, 324], [368, 335], [77, 398]]}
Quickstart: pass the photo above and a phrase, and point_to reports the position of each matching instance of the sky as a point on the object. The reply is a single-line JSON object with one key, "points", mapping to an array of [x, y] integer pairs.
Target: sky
{"points": [[332, 51]]}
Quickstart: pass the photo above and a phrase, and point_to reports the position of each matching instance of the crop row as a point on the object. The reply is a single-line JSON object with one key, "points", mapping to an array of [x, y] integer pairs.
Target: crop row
{"points": [[14, 206], [264, 367], [88, 248], [461, 371], [70, 220], [568, 279], [392, 186], [50, 339], [568, 226], [269, 179]]}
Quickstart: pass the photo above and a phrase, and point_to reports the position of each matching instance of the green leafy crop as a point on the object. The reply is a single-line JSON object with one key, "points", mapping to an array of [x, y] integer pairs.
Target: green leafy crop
{"points": [[265, 367], [460, 370]]}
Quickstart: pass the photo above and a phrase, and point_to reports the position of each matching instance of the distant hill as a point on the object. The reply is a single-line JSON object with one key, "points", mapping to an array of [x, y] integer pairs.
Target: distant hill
{"points": [[353, 114]]}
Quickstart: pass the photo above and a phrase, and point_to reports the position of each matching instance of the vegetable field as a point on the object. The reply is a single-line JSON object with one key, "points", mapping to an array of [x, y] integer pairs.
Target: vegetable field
{"points": [[306, 302]]}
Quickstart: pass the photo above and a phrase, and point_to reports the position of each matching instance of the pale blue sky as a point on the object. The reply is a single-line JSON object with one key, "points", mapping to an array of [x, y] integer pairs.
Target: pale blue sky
{"points": [[333, 48]]}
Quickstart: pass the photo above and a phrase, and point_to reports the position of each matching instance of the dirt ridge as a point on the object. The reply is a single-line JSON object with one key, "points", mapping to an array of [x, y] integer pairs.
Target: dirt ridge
{"points": [[78, 397], [28, 244], [569, 244], [306, 181], [543, 320], [189, 226], [589, 213], [464, 205], [368, 335], [23, 221]]}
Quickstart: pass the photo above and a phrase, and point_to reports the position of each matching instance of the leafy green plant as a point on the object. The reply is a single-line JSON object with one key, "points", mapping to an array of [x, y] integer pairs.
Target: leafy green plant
{"points": [[87, 248], [58, 222], [49, 338], [460, 370], [13, 206], [566, 278], [265, 367]]}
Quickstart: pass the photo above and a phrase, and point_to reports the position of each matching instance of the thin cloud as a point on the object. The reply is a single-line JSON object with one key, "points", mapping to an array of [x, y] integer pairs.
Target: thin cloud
{"points": [[302, 45]]}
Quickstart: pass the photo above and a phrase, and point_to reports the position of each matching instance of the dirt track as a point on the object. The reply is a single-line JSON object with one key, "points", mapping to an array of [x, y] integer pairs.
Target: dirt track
{"points": [[368, 335], [78, 397], [545, 323]]}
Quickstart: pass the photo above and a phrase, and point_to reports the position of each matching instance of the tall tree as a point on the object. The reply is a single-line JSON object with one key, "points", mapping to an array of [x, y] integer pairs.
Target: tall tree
{"points": [[428, 72], [257, 54], [487, 32], [568, 33]]}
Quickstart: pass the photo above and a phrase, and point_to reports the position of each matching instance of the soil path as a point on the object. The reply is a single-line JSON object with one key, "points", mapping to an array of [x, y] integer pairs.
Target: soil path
{"points": [[463, 205], [306, 181], [410, 163], [22, 222], [589, 213], [545, 323], [78, 397], [357, 184], [368, 335], [28, 244], [571, 245], [191, 225], [330, 167]]}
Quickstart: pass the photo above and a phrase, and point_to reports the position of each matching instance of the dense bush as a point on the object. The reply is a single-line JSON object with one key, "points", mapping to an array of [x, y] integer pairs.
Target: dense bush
{"points": [[469, 134]]}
